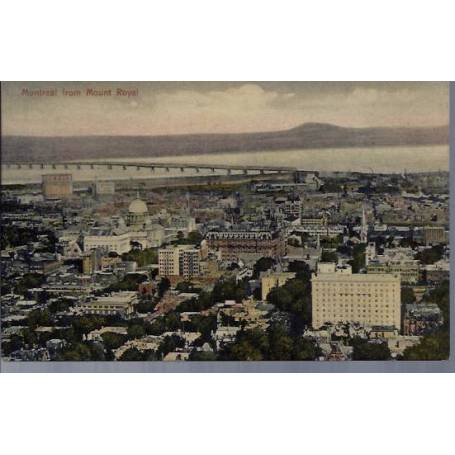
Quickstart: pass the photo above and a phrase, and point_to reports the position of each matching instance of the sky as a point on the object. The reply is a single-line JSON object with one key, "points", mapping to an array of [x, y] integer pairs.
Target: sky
{"points": [[219, 107]]}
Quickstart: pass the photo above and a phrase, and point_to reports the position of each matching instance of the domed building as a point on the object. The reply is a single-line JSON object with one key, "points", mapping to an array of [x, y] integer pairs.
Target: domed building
{"points": [[138, 213]]}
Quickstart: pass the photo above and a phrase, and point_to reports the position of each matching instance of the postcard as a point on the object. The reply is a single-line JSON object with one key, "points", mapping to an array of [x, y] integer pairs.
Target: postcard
{"points": [[205, 223]]}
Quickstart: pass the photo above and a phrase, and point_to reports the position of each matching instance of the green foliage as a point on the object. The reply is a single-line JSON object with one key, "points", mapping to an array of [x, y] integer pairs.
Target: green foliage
{"points": [[134, 355], [167, 323], [229, 290], [430, 255], [85, 324], [113, 340], [163, 286], [136, 331], [170, 344], [185, 286], [13, 236], [407, 296], [29, 281], [82, 352], [435, 346], [274, 344], [294, 297], [129, 282], [363, 350], [142, 257], [441, 296], [195, 237], [203, 324], [145, 306], [262, 265], [301, 269], [38, 318], [202, 356], [329, 256], [358, 258]]}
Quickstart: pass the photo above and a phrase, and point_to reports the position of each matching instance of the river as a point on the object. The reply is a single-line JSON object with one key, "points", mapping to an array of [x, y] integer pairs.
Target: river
{"points": [[373, 159]]}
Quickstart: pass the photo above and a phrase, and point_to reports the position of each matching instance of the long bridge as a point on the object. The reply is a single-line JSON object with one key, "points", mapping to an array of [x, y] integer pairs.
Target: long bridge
{"points": [[166, 167]]}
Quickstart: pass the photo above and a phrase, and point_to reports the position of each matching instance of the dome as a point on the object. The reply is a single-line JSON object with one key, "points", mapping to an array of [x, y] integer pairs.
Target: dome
{"points": [[138, 206]]}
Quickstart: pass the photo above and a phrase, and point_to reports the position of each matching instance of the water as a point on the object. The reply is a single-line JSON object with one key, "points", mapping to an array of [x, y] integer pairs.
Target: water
{"points": [[374, 159]]}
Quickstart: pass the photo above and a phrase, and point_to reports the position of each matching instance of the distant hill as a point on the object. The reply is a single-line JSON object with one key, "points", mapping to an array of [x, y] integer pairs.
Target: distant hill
{"points": [[306, 136]]}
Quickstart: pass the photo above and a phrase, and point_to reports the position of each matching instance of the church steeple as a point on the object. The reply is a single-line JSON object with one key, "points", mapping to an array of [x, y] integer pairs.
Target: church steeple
{"points": [[364, 227]]}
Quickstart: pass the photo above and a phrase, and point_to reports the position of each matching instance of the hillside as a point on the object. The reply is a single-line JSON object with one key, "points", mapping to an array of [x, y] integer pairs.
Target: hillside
{"points": [[306, 136]]}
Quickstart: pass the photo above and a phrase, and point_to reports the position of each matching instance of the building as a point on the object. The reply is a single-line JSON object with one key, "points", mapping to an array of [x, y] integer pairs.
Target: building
{"points": [[368, 299], [120, 303], [108, 241], [409, 270], [270, 280], [104, 188], [57, 185], [233, 244], [393, 260], [138, 214], [434, 235], [182, 260]]}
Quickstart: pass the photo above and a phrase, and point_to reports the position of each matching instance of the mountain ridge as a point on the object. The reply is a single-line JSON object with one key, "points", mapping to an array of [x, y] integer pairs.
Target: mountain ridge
{"points": [[304, 136]]}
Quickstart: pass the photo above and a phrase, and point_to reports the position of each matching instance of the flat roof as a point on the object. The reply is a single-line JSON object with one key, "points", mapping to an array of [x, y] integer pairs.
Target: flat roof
{"points": [[357, 277]]}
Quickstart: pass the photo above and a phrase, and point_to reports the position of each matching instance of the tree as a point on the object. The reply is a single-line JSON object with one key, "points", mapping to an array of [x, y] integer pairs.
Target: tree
{"points": [[262, 265], [407, 296], [163, 286], [133, 355], [29, 281], [358, 261], [184, 286], [195, 237], [435, 346], [170, 344], [113, 340], [329, 256], [136, 331], [301, 269], [202, 356], [364, 350], [39, 318], [430, 255], [229, 290]]}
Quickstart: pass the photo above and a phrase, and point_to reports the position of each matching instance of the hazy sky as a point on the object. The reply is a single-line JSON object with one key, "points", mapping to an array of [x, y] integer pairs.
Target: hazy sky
{"points": [[219, 107]]}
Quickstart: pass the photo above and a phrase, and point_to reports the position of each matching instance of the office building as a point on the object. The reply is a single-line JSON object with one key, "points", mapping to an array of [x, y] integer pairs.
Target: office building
{"points": [[183, 260], [368, 299], [57, 186]]}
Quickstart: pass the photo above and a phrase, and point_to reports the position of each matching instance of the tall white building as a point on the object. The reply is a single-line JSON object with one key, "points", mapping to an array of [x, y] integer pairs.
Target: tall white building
{"points": [[182, 260], [369, 299]]}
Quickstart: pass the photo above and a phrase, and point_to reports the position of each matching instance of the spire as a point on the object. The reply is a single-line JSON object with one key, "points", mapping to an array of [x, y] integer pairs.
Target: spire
{"points": [[364, 227]]}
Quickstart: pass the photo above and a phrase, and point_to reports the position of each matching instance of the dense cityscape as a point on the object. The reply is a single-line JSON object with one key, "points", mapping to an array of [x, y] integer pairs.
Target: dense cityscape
{"points": [[308, 266]]}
